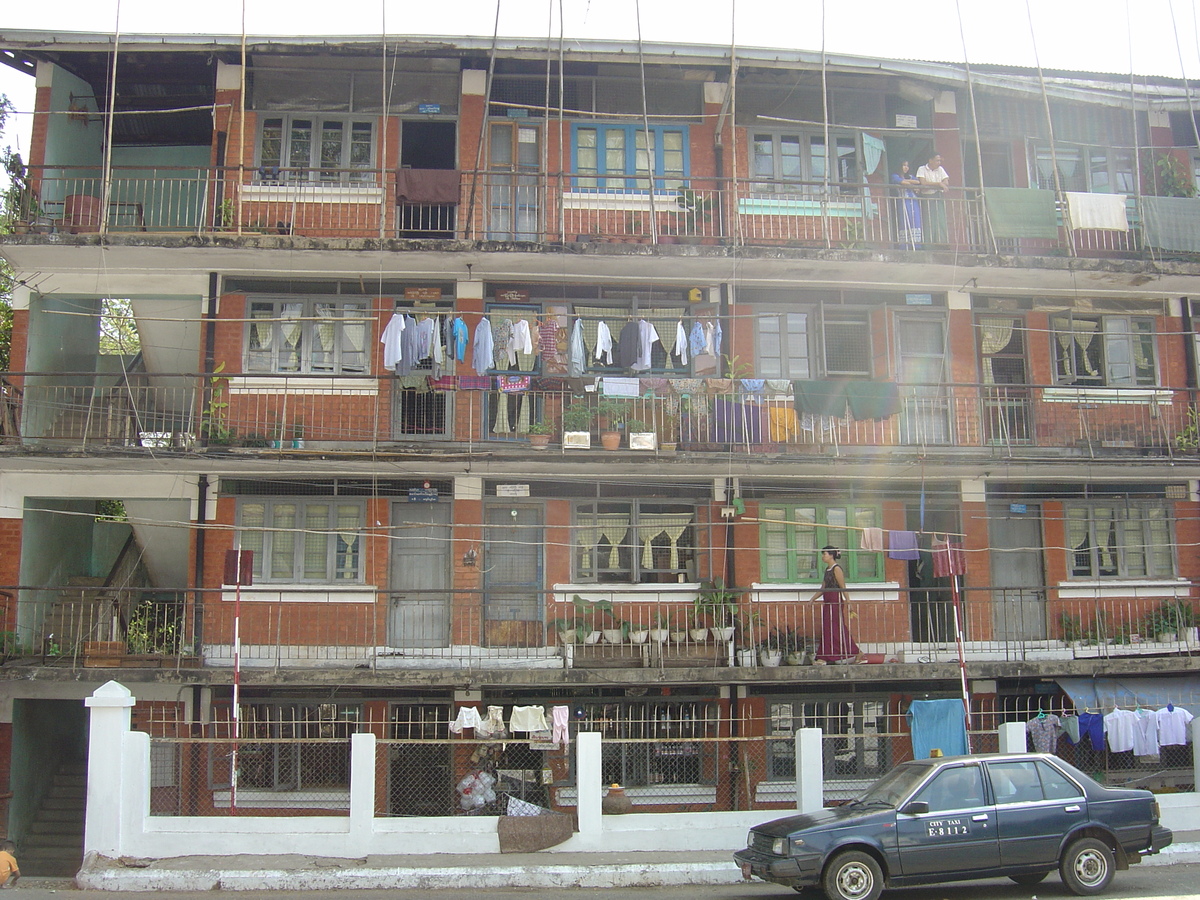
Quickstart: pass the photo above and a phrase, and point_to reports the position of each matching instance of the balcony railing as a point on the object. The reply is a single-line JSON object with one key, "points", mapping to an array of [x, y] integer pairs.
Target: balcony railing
{"points": [[176, 413], [611, 625], [539, 207]]}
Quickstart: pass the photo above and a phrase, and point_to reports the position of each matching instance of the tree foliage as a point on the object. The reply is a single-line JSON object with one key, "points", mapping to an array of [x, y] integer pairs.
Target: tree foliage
{"points": [[11, 163]]}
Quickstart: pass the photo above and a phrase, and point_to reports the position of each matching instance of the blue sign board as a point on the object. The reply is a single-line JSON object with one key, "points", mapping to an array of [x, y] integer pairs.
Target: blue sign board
{"points": [[429, 108], [1018, 508], [422, 495], [918, 299]]}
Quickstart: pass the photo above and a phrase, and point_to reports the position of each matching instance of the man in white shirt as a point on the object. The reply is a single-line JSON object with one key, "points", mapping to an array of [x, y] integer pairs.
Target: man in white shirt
{"points": [[932, 191]]}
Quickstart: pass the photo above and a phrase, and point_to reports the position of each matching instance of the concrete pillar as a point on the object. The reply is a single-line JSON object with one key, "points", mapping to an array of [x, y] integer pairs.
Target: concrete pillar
{"points": [[110, 719], [362, 788], [1012, 737], [810, 772], [1196, 749], [587, 783]]}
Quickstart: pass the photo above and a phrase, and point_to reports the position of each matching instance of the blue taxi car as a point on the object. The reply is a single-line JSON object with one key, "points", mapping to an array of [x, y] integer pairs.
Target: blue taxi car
{"points": [[961, 817]]}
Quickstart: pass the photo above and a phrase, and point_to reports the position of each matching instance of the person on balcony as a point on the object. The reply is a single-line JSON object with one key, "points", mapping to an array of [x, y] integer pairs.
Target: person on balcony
{"points": [[837, 646], [934, 182], [907, 210]]}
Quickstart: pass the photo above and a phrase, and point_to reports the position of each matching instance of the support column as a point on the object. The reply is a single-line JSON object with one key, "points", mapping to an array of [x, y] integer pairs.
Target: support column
{"points": [[810, 771], [587, 783], [1012, 737], [109, 722], [362, 788]]}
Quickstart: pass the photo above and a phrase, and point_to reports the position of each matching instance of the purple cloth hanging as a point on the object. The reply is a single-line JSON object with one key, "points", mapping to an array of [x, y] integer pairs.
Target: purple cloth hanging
{"points": [[903, 545], [735, 423]]}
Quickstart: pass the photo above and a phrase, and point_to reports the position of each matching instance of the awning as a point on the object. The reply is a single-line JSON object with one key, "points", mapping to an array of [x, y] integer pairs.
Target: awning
{"points": [[1104, 693]]}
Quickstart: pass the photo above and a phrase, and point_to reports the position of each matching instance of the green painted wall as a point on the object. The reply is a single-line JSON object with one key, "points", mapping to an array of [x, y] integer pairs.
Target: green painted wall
{"points": [[53, 548], [46, 733], [159, 188], [74, 148]]}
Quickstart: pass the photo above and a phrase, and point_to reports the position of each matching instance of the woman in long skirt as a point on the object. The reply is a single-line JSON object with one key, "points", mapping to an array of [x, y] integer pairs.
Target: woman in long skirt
{"points": [[837, 646]]}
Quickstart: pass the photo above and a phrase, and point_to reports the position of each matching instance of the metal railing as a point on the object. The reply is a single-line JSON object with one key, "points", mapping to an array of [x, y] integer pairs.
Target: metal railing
{"points": [[535, 206], [176, 414]]}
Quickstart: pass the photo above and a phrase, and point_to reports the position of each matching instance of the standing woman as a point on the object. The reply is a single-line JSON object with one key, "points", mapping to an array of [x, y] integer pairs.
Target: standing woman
{"points": [[908, 209], [836, 644]]}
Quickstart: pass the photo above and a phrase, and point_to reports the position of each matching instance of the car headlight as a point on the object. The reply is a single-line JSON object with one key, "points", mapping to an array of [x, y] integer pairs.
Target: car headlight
{"points": [[779, 846]]}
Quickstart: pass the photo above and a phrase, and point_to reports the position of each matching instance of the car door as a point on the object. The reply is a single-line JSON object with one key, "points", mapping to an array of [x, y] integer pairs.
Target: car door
{"points": [[1036, 805], [957, 834]]}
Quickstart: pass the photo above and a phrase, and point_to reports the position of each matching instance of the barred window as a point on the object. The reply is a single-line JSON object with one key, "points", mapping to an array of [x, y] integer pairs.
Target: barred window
{"points": [[307, 336], [1120, 540], [656, 743], [327, 149], [807, 344], [621, 151], [855, 734], [303, 540], [793, 536], [634, 542]]}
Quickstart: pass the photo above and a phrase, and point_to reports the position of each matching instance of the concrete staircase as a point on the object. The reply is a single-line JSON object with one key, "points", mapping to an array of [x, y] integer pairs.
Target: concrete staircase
{"points": [[54, 845]]}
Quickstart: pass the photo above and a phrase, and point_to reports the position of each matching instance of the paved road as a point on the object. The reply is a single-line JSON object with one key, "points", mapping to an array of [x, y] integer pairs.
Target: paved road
{"points": [[1139, 883]]}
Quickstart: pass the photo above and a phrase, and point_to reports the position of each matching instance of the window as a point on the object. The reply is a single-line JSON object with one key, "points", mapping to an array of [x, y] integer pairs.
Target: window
{"points": [[960, 787], [621, 151], [293, 746], [327, 149], [854, 736], [1104, 350], [656, 743], [785, 161], [294, 540], [634, 542], [307, 337], [118, 328], [804, 345], [1099, 170], [792, 540], [1120, 539]]}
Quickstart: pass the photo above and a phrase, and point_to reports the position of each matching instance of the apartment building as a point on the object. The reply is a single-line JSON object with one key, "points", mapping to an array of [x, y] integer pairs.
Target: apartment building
{"points": [[291, 316]]}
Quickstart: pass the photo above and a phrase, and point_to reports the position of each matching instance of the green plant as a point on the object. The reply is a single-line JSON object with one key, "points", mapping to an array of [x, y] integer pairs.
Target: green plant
{"points": [[152, 630], [227, 213], [543, 427], [637, 426], [1188, 437], [1171, 616], [694, 208], [1070, 628], [612, 411], [213, 420], [717, 602], [577, 416], [1173, 180]]}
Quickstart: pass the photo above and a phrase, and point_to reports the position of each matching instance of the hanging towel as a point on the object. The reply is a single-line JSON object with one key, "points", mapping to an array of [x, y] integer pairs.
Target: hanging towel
{"points": [[474, 382], [937, 723], [872, 540], [1171, 223], [820, 398], [873, 399], [468, 717], [1022, 212], [512, 384], [1101, 212], [528, 718], [948, 559], [620, 387], [903, 545]]}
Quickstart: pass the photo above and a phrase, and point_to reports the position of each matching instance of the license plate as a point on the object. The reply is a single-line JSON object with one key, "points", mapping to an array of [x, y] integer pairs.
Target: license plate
{"points": [[746, 871]]}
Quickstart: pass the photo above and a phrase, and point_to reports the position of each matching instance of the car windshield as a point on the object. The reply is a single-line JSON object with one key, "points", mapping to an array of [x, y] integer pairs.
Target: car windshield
{"points": [[894, 786]]}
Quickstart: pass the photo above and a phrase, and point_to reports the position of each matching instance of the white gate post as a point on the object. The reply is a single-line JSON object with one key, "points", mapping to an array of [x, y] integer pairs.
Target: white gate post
{"points": [[810, 773], [1012, 737], [588, 790], [110, 719]]}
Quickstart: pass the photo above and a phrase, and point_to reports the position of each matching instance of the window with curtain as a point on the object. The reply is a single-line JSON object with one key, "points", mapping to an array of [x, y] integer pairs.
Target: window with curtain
{"points": [[1116, 351], [792, 538], [1120, 539], [634, 542], [1089, 169], [323, 149], [1002, 349], [622, 157], [317, 336], [303, 540]]}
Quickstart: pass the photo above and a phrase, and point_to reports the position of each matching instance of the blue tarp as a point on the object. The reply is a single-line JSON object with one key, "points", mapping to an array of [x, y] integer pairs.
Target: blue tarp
{"points": [[1154, 693]]}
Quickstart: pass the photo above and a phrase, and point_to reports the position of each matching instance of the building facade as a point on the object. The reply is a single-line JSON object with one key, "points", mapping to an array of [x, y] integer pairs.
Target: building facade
{"points": [[291, 316]]}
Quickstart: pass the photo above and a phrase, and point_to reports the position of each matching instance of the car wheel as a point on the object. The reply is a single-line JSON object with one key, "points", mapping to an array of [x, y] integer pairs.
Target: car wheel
{"points": [[1086, 866], [1032, 878], [853, 875]]}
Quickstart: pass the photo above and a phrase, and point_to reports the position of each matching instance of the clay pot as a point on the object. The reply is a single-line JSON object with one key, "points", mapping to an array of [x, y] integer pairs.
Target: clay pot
{"points": [[615, 803]]}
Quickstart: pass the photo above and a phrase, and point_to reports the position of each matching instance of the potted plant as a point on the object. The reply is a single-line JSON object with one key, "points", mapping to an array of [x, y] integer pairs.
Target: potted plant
{"points": [[641, 437], [662, 628], [611, 416], [540, 434], [769, 652], [577, 420], [588, 613], [678, 630], [298, 435], [568, 630], [694, 210], [719, 604], [697, 624]]}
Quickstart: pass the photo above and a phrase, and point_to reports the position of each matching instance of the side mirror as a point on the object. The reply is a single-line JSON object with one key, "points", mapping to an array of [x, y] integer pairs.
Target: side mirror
{"points": [[915, 808]]}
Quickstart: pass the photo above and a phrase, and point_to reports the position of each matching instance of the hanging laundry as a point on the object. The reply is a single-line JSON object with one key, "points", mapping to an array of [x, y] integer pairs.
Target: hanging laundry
{"points": [[424, 336], [410, 343], [1173, 725], [696, 339], [576, 354], [1118, 730], [1091, 726], [1070, 727], [937, 723], [548, 338], [903, 545], [528, 718], [604, 344], [948, 559], [468, 717], [458, 332], [647, 338], [681, 343], [717, 338], [502, 339], [627, 345], [391, 340], [520, 341], [1145, 733], [482, 347], [620, 387], [559, 717], [512, 384], [1043, 730], [872, 540], [493, 725]]}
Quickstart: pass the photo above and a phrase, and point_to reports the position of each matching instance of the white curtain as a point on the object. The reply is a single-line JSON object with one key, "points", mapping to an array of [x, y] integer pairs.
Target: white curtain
{"points": [[650, 527]]}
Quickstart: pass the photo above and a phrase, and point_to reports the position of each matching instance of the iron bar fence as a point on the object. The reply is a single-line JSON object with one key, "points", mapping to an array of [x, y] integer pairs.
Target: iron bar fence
{"points": [[539, 207]]}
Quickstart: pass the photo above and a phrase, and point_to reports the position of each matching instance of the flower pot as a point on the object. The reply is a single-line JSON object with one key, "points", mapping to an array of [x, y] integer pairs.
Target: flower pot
{"points": [[724, 633], [797, 658], [590, 637], [577, 440], [770, 658], [615, 802], [1167, 637], [613, 636], [539, 441], [699, 635], [639, 637], [748, 659], [610, 440], [643, 440], [678, 637], [568, 635], [658, 635]]}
